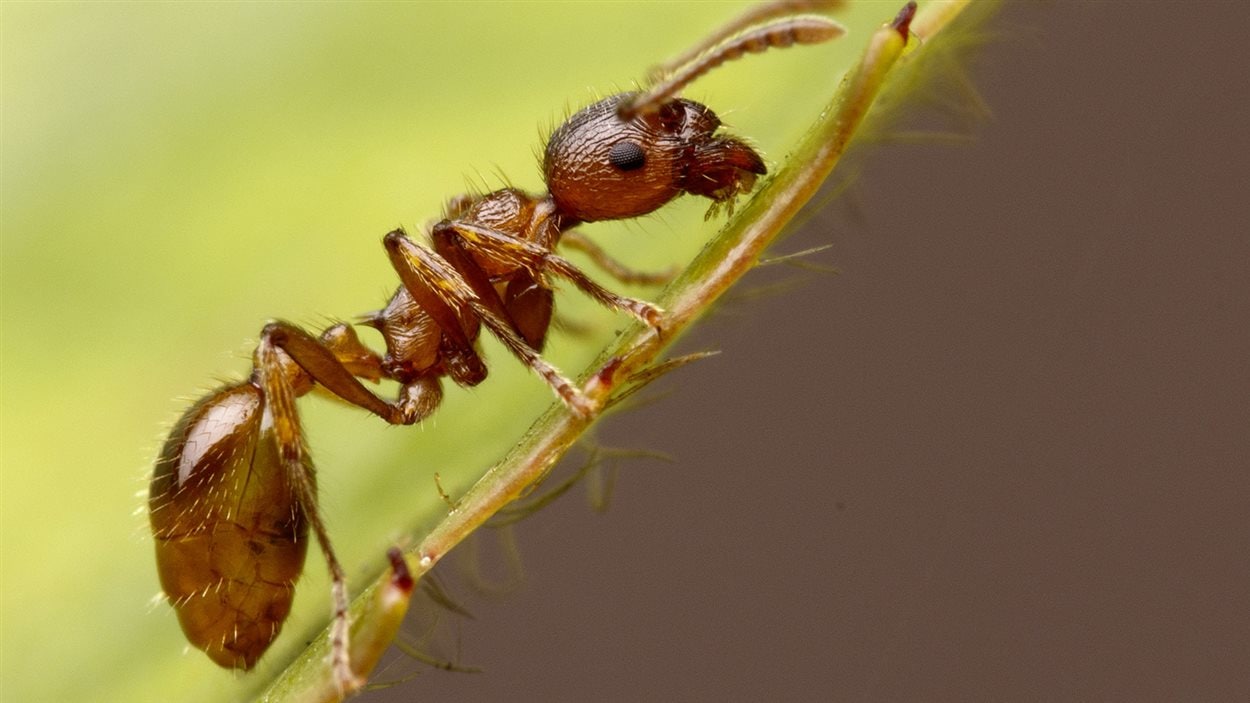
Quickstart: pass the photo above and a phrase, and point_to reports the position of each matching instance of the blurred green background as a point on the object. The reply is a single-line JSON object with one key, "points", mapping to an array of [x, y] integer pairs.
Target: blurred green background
{"points": [[175, 174]]}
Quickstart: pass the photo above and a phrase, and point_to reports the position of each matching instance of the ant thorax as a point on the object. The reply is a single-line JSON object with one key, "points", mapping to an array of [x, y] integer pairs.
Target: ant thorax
{"points": [[522, 215]]}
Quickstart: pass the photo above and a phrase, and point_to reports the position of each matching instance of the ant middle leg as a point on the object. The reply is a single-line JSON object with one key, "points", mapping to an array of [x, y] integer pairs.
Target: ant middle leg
{"points": [[621, 272]]}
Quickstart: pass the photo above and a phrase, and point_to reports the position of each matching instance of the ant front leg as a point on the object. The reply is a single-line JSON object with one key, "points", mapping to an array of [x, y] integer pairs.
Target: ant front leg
{"points": [[526, 303], [523, 254], [442, 290]]}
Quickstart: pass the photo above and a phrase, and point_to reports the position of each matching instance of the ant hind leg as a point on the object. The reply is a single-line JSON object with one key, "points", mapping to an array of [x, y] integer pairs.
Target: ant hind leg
{"points": [[279, 397], [321, 359]]}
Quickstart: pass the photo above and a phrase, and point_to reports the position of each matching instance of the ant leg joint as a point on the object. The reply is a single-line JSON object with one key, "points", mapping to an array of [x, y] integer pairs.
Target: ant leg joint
{"points": [[274, 332], [394, 237], [418, 400]]}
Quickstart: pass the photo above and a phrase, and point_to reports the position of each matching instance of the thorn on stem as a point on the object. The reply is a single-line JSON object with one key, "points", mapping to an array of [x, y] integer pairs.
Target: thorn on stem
{"points": [[902, 23], [401, 577]]}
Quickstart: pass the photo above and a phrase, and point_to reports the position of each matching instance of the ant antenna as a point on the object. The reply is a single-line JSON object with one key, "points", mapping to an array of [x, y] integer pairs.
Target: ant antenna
{"points": [[803, 29], [754, 15]]}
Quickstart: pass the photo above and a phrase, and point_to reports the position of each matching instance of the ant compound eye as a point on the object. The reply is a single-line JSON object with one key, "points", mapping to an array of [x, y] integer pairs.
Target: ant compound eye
{"points": [[627, 156]]}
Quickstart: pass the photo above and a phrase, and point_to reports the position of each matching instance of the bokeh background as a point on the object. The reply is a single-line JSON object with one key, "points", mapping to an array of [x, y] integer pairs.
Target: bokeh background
{"points": [[1002, 454]]}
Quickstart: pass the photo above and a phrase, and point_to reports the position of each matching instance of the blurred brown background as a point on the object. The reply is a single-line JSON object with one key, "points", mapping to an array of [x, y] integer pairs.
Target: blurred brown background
{"points": [[1003, 455]]}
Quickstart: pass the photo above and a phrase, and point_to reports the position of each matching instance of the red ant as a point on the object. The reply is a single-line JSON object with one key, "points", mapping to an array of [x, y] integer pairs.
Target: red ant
{"points": [[234, 493]]}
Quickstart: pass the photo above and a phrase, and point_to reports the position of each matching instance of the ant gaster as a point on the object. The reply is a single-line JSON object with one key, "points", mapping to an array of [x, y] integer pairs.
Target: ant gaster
{"points": [[233, 494]]}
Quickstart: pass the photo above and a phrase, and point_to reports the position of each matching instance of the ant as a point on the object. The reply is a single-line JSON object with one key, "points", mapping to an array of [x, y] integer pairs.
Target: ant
{"points": [[234, 494]]}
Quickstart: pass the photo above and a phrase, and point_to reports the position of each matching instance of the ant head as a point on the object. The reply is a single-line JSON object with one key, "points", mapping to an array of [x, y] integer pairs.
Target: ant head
{"points": [[601, 165]]}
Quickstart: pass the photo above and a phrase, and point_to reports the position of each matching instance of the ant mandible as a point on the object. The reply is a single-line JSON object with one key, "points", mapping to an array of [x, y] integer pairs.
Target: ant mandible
{"points": [[233, 493]]}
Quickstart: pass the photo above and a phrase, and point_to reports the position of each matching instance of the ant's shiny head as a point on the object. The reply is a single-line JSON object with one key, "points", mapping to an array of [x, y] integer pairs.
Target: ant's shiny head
{"points": [[600, 165], [629, 154]]}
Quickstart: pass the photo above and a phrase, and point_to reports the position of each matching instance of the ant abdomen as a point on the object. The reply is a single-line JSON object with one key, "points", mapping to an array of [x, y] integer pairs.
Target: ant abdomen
{"points": [[230, 536], [601, 166]]}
